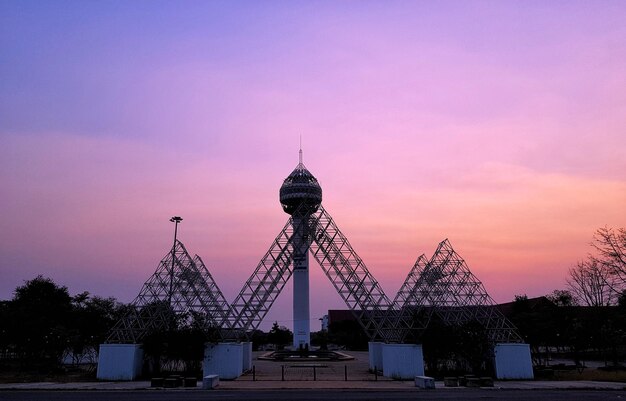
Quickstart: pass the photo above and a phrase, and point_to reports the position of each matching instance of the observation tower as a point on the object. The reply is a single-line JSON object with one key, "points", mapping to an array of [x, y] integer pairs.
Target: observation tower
{"points": [[301, 196]]}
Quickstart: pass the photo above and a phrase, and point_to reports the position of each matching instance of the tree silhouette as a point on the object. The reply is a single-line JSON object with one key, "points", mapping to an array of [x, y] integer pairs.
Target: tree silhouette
{"points": [[611, 247], [43, 324], [39, 317], [592, 283], [279, 336]]}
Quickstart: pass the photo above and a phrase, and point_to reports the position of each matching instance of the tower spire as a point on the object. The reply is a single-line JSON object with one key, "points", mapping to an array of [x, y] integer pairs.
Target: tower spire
{"points": [[300, 149]]}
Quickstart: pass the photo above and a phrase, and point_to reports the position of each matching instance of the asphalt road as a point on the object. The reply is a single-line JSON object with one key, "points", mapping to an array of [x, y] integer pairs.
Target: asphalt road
{"points": [[317, 395]]}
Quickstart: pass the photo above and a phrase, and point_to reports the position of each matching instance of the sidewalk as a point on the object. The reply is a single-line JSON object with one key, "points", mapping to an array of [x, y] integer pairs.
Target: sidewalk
{"points": [[329, 375], [275, 385]]}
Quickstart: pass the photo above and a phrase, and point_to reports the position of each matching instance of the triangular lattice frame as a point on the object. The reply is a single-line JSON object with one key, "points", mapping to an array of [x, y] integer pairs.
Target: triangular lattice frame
{"points": [[180, 292]]}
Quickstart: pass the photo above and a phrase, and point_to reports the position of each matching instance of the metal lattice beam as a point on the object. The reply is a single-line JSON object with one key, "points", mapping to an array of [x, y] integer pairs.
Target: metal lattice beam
{"points": [[353, 281], [264, 285]]}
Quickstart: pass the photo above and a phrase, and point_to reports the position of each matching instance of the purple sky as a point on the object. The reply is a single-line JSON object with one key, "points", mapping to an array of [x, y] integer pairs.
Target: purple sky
{"points": [[499, 125]]}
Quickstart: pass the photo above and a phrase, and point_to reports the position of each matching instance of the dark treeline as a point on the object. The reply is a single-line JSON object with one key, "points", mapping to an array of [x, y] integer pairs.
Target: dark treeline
{"points": [[43, 325], [44, 329], [575, 332]]}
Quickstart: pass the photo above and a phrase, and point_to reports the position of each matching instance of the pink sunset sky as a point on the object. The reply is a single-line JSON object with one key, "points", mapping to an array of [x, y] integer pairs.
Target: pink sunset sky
{"points": [[500, 125]]}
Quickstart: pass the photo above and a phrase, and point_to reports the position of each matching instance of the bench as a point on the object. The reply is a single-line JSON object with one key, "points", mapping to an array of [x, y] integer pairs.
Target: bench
{"points": [[170, 382], [451, 381], [486, 382], [473, 382], [190, 382], [156, 382]]}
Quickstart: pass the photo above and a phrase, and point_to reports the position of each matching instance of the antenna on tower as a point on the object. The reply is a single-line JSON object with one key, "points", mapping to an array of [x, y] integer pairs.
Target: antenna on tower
{"points": [[300, 148]]}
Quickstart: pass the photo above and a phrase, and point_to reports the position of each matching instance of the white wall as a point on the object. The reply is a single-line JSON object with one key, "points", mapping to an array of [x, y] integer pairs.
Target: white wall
{"points": [[402, 361], [119, 361], [375, 355], [223, 359], [247, 356], [513, 361]]}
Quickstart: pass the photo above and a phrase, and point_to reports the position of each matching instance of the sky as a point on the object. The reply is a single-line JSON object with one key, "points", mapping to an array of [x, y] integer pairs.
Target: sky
{"points": [[499, 125]]}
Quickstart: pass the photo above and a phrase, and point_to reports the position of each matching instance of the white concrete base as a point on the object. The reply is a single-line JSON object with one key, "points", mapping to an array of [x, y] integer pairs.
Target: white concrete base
{"points": [[119, 361], [210, 382], [223, 359], [403, 361], [425, 382], [247, 356], [513, 361], [375, 355]]}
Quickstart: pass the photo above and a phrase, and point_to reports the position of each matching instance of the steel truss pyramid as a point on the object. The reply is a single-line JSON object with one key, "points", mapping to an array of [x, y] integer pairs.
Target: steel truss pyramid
{"points": [[181, 291], [445, 286]]}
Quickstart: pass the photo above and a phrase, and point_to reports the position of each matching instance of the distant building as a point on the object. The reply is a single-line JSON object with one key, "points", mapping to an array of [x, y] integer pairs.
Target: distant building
{"points": [[507, 308], [339, 315], [532, 304]]}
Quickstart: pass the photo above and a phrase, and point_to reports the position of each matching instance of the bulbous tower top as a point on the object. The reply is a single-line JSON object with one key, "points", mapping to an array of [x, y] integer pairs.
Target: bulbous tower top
{"points": [[300, 187]]}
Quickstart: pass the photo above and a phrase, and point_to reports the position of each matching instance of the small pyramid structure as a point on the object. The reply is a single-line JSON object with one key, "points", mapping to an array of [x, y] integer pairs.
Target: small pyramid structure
{"points": [[445, 286], [180, 292]]}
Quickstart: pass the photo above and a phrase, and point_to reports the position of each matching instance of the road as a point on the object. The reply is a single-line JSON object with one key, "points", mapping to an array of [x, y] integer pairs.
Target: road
{"points": [[317, 395]]}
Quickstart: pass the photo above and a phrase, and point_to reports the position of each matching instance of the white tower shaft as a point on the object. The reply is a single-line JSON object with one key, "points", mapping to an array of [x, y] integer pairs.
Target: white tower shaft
{"points": [[301, 314]]}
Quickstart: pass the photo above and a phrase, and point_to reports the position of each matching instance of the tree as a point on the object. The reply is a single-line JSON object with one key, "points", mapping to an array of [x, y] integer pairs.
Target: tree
{"points": [[43, 324], [474, 346], [621, 299], [520, 298], [439, 342], [451, 349], [592, 283], [611, 247], [92, 318], [258, 338], [348, 333], [39, 316], [320, 339], [279, 336], [562, 298], [5, 342]]}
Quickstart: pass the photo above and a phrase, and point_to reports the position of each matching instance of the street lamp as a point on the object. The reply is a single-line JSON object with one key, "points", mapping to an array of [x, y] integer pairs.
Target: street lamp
{"points": [[175, 220]]}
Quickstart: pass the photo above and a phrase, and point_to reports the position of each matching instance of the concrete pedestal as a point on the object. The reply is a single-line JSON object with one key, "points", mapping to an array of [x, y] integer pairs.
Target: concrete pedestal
{"points": [[224, 360], [375, 355], [402, 361], [210, 382], [513, 361], [425, 382], [119, 361]]}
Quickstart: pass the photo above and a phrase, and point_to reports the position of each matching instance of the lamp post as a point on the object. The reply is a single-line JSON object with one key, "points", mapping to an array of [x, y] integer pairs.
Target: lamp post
{"points": [[175, 220]]}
